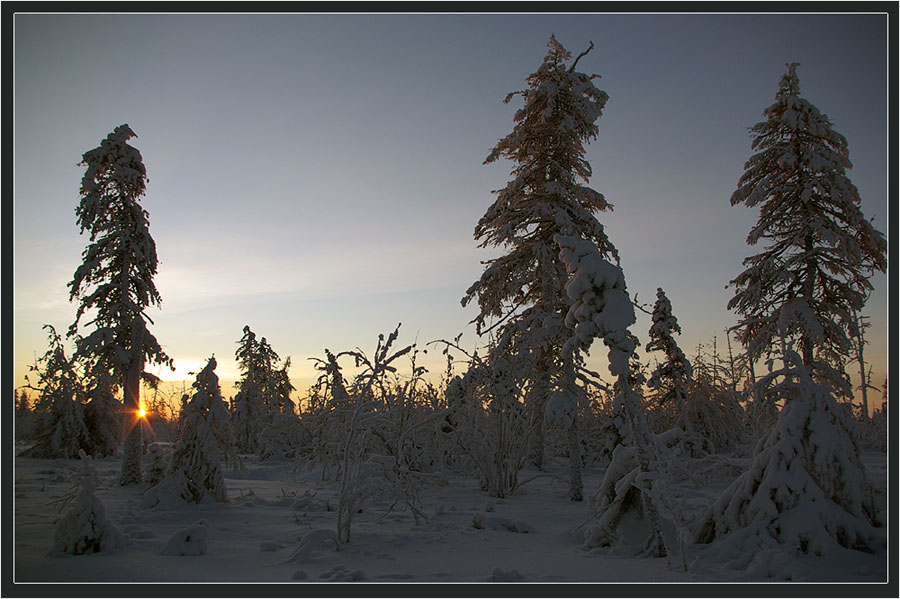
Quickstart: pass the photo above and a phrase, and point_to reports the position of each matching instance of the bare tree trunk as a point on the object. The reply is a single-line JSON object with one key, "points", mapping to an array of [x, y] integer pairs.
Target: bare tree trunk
{"points": [[576, 484], [732, 371], [132, 448], [863, 379], [537, 402]]}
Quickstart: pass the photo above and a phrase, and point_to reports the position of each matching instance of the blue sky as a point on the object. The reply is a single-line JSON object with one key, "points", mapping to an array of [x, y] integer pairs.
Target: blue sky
{"points": [[319, 177]]}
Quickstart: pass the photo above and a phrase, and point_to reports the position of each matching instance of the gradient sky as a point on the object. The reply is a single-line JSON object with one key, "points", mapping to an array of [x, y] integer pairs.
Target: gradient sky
{"points": [[319, 176]]}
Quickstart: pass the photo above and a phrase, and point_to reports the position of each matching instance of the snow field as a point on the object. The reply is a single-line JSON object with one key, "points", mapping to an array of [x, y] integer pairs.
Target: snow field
{"points": [[256, 536]]}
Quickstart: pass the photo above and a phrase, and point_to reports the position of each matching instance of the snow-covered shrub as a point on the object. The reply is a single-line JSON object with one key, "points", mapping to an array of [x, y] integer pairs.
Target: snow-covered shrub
{"points": [[806, 488], [604, 424], [280, 436], [62, 430], [624, 495], [489, 424], [326, 415], [376, 459], [353, 492], [159, 456], [711, 414], [873, 431], [85, 528], [195, 472]]}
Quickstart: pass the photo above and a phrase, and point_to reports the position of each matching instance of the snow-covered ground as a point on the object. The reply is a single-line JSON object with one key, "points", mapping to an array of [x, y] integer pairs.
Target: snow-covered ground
{"points": [[533, 536]]}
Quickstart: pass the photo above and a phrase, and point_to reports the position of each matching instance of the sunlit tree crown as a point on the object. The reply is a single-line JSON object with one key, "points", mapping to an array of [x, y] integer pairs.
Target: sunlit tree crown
{"points": [[547, 195], [820, 250]]}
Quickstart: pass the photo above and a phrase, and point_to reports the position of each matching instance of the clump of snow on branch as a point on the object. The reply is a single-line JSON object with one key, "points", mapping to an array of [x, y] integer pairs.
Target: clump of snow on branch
{"points": [[601, 306]]}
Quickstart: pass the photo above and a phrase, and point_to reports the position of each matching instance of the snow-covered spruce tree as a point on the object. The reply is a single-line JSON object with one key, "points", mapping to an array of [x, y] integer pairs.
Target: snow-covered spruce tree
{"points": [[115, 280], [25, 415], [813, 275], [670, 378], [803, 290], [523, 291], [601, 308], [281, 430], [195, 471], [691, 397], [85, 527], [263, 414], [61, 428], [806, 489]]}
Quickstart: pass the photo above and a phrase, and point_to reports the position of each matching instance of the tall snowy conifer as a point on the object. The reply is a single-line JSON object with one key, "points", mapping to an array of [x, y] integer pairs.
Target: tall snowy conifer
{"points": [[115, 281], [813, 275], [523, 292], [806, 490]]}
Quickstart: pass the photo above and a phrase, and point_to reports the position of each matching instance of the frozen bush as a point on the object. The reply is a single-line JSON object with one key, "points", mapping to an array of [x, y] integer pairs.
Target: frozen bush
{"points": [[85, 528]]}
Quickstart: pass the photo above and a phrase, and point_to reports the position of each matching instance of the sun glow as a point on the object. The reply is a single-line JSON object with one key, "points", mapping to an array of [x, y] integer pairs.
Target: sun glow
{"points": [[187, 368], [141, 412], [183, 370]]}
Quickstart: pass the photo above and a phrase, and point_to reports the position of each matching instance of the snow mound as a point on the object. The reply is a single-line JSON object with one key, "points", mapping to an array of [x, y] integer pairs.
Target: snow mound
{"points": [[340, 573], [188, 541], [312, 541], [482, 522], [85, 528]]}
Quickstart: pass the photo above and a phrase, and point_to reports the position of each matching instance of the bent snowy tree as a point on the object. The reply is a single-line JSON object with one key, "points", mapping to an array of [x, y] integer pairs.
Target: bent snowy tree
{"points": [[115, 281], [602, 309], [521, 294]]}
